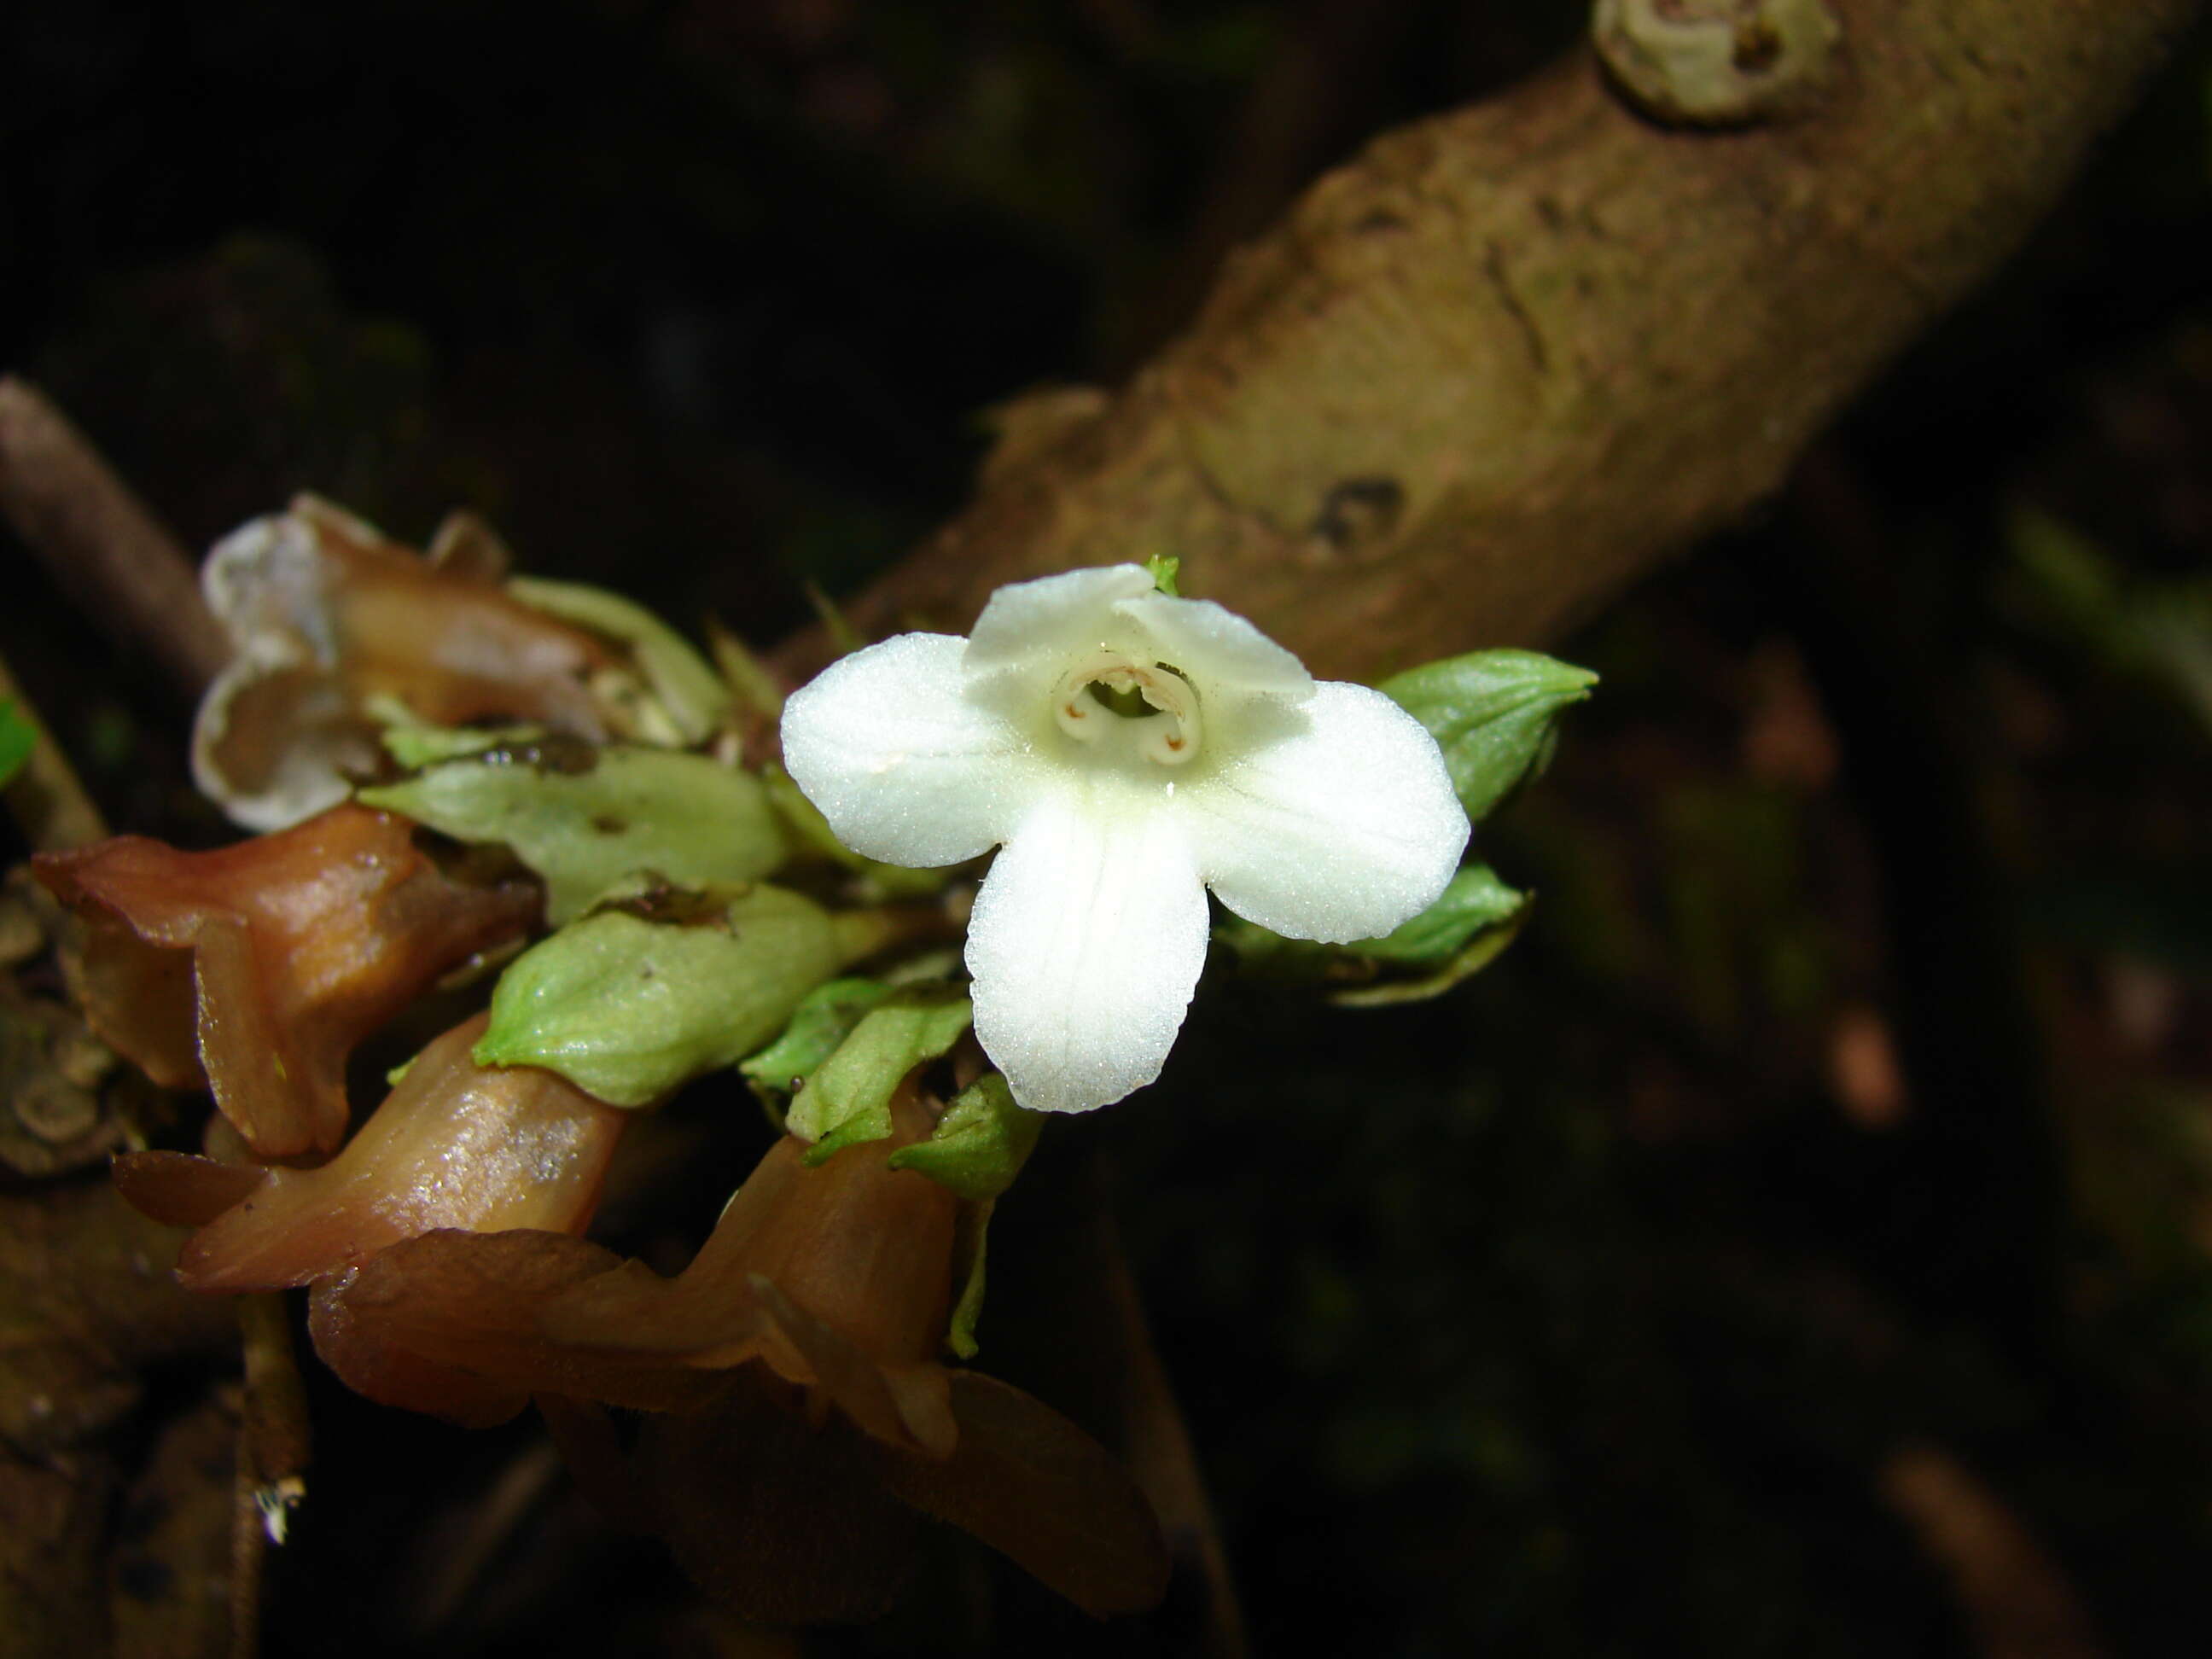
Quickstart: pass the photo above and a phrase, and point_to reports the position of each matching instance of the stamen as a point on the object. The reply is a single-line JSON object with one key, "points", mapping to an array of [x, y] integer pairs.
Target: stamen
{"points": [[1154, 708]]}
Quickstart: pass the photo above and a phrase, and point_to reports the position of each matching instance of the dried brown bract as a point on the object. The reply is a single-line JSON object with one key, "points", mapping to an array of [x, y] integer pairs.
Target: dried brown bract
{"points": [[259, 966], [796, 1414]]}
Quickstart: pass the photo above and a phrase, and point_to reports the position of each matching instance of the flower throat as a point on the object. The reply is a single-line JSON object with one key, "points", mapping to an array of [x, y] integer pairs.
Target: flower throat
{"points": [[1122, 707]]}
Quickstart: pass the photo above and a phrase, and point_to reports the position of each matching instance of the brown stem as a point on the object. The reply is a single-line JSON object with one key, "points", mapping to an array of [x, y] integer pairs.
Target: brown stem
{"points": [[98, 541], [1475, 380]]}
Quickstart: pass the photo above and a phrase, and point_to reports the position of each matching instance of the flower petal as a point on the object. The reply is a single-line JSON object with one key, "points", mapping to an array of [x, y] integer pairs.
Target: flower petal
{"points": [[1087, 939], [904, 765], [1216, 649], [1338, 826], [1038, 626]]}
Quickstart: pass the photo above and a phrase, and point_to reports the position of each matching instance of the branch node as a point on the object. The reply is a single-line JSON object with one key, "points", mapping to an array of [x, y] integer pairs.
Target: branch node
{"points": [[1718, 62]]}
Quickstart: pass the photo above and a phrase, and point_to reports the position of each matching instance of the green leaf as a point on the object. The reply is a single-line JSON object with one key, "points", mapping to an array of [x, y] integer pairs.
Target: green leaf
{"points": [[689, 692], [979, 1144], [821, 1023], [1162, 570], [848, 1100], [18, 738], [1491, 713], [628, 1008], [1475, 899], [584, 818]]}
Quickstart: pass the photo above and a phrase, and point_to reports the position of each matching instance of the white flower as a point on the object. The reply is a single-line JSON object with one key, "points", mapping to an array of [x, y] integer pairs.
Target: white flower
{"points": [[1130, 750]]}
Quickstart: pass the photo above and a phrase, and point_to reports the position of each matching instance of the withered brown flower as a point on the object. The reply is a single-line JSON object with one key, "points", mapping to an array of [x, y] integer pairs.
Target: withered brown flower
{"points": [[329, 616], [797, 1415], [259, 966]]}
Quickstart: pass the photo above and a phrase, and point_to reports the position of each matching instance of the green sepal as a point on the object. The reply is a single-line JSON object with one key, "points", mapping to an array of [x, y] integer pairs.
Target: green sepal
{"points": [[18, 738], [1491, 713], [979, 1144], [628, 1008], [691, 695], [1163, 570], [821, 1022], [848, 1099], [971, 1246], [584, 817]]}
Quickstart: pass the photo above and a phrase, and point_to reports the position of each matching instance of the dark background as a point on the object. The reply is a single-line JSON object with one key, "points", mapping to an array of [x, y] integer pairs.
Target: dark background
{"points": [[1825, 1178]]}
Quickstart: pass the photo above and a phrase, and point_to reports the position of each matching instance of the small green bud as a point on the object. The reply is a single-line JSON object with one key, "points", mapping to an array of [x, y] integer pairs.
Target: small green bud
{"points": [[630, 1009], [1491, 713]]}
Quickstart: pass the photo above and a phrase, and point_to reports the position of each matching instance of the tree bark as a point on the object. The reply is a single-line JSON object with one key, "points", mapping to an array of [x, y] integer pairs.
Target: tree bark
{"points": [[1509, 356]]}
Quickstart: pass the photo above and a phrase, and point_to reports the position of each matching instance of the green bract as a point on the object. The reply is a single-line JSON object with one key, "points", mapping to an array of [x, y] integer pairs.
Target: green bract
{"points": [[416, 746], [972, 1246], [1479, 946], [1461, 933], [688, 691], [979, 1144], [1476, 900], [820, 1024], [1491, 712], [847, 1099], [979, 1147], [629, 1009], [584, 818]]}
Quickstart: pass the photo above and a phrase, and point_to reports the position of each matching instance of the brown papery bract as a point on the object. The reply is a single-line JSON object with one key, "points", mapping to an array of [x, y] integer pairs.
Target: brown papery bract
{"points": [[299, 944], [455, 1144], [794, 1384]]}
